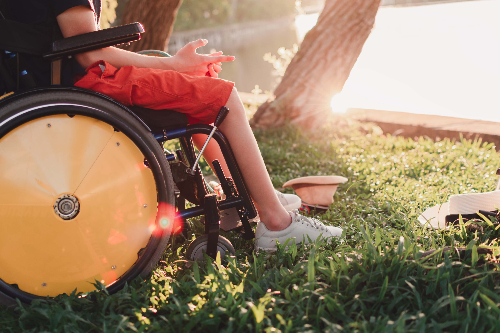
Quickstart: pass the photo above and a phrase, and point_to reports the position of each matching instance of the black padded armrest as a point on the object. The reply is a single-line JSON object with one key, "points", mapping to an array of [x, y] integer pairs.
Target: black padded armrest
{"points": [[95, 40]]}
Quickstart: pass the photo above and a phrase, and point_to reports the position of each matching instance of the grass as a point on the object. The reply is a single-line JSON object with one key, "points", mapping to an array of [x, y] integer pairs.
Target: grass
{"points": [[372, 279]]}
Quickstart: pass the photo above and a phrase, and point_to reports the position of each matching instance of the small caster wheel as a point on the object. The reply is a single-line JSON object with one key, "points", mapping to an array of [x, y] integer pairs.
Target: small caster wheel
{"points": [[199, 245]]}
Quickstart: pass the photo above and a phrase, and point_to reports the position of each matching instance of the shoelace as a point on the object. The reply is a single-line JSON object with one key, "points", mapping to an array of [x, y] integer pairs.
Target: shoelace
{"points": [[310, 220]]}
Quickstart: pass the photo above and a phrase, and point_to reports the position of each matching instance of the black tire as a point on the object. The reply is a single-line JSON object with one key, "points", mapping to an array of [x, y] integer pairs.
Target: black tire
{"points": [[34, 105], [197, 248]]}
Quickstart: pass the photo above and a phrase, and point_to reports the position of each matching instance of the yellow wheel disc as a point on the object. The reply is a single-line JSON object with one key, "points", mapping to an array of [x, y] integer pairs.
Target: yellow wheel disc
{"points": [[42, 164]]}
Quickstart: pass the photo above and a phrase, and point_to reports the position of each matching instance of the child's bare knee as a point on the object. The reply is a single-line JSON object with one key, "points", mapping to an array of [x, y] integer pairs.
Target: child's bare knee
{"points": [[234, 95], [234, 103]]}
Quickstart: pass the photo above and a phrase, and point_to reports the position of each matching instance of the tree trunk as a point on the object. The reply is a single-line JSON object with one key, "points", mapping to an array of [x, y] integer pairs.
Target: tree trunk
{"points": [[321, 66], [157, 17]]}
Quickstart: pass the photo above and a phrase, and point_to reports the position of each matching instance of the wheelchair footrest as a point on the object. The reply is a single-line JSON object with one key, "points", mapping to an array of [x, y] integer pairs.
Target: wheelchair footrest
{"points": [[230, 220]]}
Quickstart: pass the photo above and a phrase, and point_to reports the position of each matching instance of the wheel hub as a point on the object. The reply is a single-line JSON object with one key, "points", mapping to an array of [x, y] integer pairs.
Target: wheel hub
{"points": [[67, 207]]}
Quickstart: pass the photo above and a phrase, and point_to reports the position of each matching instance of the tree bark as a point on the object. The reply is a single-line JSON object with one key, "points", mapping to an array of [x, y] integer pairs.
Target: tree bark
{"points": [[157, 17], [321, 66]]}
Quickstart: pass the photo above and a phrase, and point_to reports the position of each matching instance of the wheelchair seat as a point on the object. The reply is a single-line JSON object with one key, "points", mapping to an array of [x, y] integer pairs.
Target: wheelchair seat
{"points": [[158, 120], [87, 191]]}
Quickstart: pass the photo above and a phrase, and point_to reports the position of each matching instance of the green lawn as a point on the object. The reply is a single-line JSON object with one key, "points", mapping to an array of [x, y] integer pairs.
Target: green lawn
{"points": [[373, 279]]}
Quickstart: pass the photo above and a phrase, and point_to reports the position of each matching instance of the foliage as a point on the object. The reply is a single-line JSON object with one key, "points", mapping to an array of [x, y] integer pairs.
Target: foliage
{"points": [[372, 279], [281, 61], [195, 14], [108, 13], [252, 10]]}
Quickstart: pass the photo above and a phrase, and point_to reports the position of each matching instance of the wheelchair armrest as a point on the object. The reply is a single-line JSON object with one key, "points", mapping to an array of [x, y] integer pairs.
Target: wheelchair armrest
{"points": [[95, 40]]}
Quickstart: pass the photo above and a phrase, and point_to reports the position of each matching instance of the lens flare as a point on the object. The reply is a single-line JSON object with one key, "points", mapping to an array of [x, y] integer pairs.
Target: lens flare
{"points": [[166, 220]]}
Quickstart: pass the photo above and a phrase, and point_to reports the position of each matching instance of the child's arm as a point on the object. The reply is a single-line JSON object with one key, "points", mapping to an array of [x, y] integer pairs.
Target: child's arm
{"points": [[80, 19]]}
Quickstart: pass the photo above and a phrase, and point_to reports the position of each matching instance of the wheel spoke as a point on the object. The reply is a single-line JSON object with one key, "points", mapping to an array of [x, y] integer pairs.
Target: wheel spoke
{"points": [[48, 156]]}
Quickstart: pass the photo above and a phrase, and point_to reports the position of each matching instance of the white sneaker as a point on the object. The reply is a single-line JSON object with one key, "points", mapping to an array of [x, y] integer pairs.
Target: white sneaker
{"points": [[217, 189], [300, 228], [289, 201]]}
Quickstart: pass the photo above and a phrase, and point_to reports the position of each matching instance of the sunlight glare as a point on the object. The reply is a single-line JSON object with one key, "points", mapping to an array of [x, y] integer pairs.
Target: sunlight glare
{"points": [[340, 103], [304, 23]]}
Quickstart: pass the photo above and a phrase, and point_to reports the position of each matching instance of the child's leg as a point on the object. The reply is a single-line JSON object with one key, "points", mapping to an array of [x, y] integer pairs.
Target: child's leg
{"points": [[212, 152], [277, 224], [239, 134]]}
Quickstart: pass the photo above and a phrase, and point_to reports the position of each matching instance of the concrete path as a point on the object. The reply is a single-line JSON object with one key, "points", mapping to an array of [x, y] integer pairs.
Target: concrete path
{"points": [[436, 127]]}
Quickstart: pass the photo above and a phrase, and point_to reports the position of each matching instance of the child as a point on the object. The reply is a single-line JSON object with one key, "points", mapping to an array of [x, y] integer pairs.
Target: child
{"points": [[188, 83]]}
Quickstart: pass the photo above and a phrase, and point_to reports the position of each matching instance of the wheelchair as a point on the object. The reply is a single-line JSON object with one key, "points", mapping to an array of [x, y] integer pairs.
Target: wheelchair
{"points": [[88, 193]]}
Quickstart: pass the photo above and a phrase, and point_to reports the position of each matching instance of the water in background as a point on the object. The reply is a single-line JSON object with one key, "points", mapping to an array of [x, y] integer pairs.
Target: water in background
{"points": [[249, 68], [441, 59]]}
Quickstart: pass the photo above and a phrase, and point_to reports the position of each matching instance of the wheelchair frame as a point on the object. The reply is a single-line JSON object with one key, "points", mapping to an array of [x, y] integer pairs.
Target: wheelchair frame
{"points": [[237, 195]]}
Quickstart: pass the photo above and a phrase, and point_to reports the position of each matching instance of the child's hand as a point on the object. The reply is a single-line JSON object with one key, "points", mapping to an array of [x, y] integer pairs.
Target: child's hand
{"points": [[189, 62], [214, 68]]}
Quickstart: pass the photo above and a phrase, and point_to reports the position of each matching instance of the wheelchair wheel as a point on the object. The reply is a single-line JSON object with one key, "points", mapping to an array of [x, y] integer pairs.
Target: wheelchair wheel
{"points": [[86, 195], [198, 247]]}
